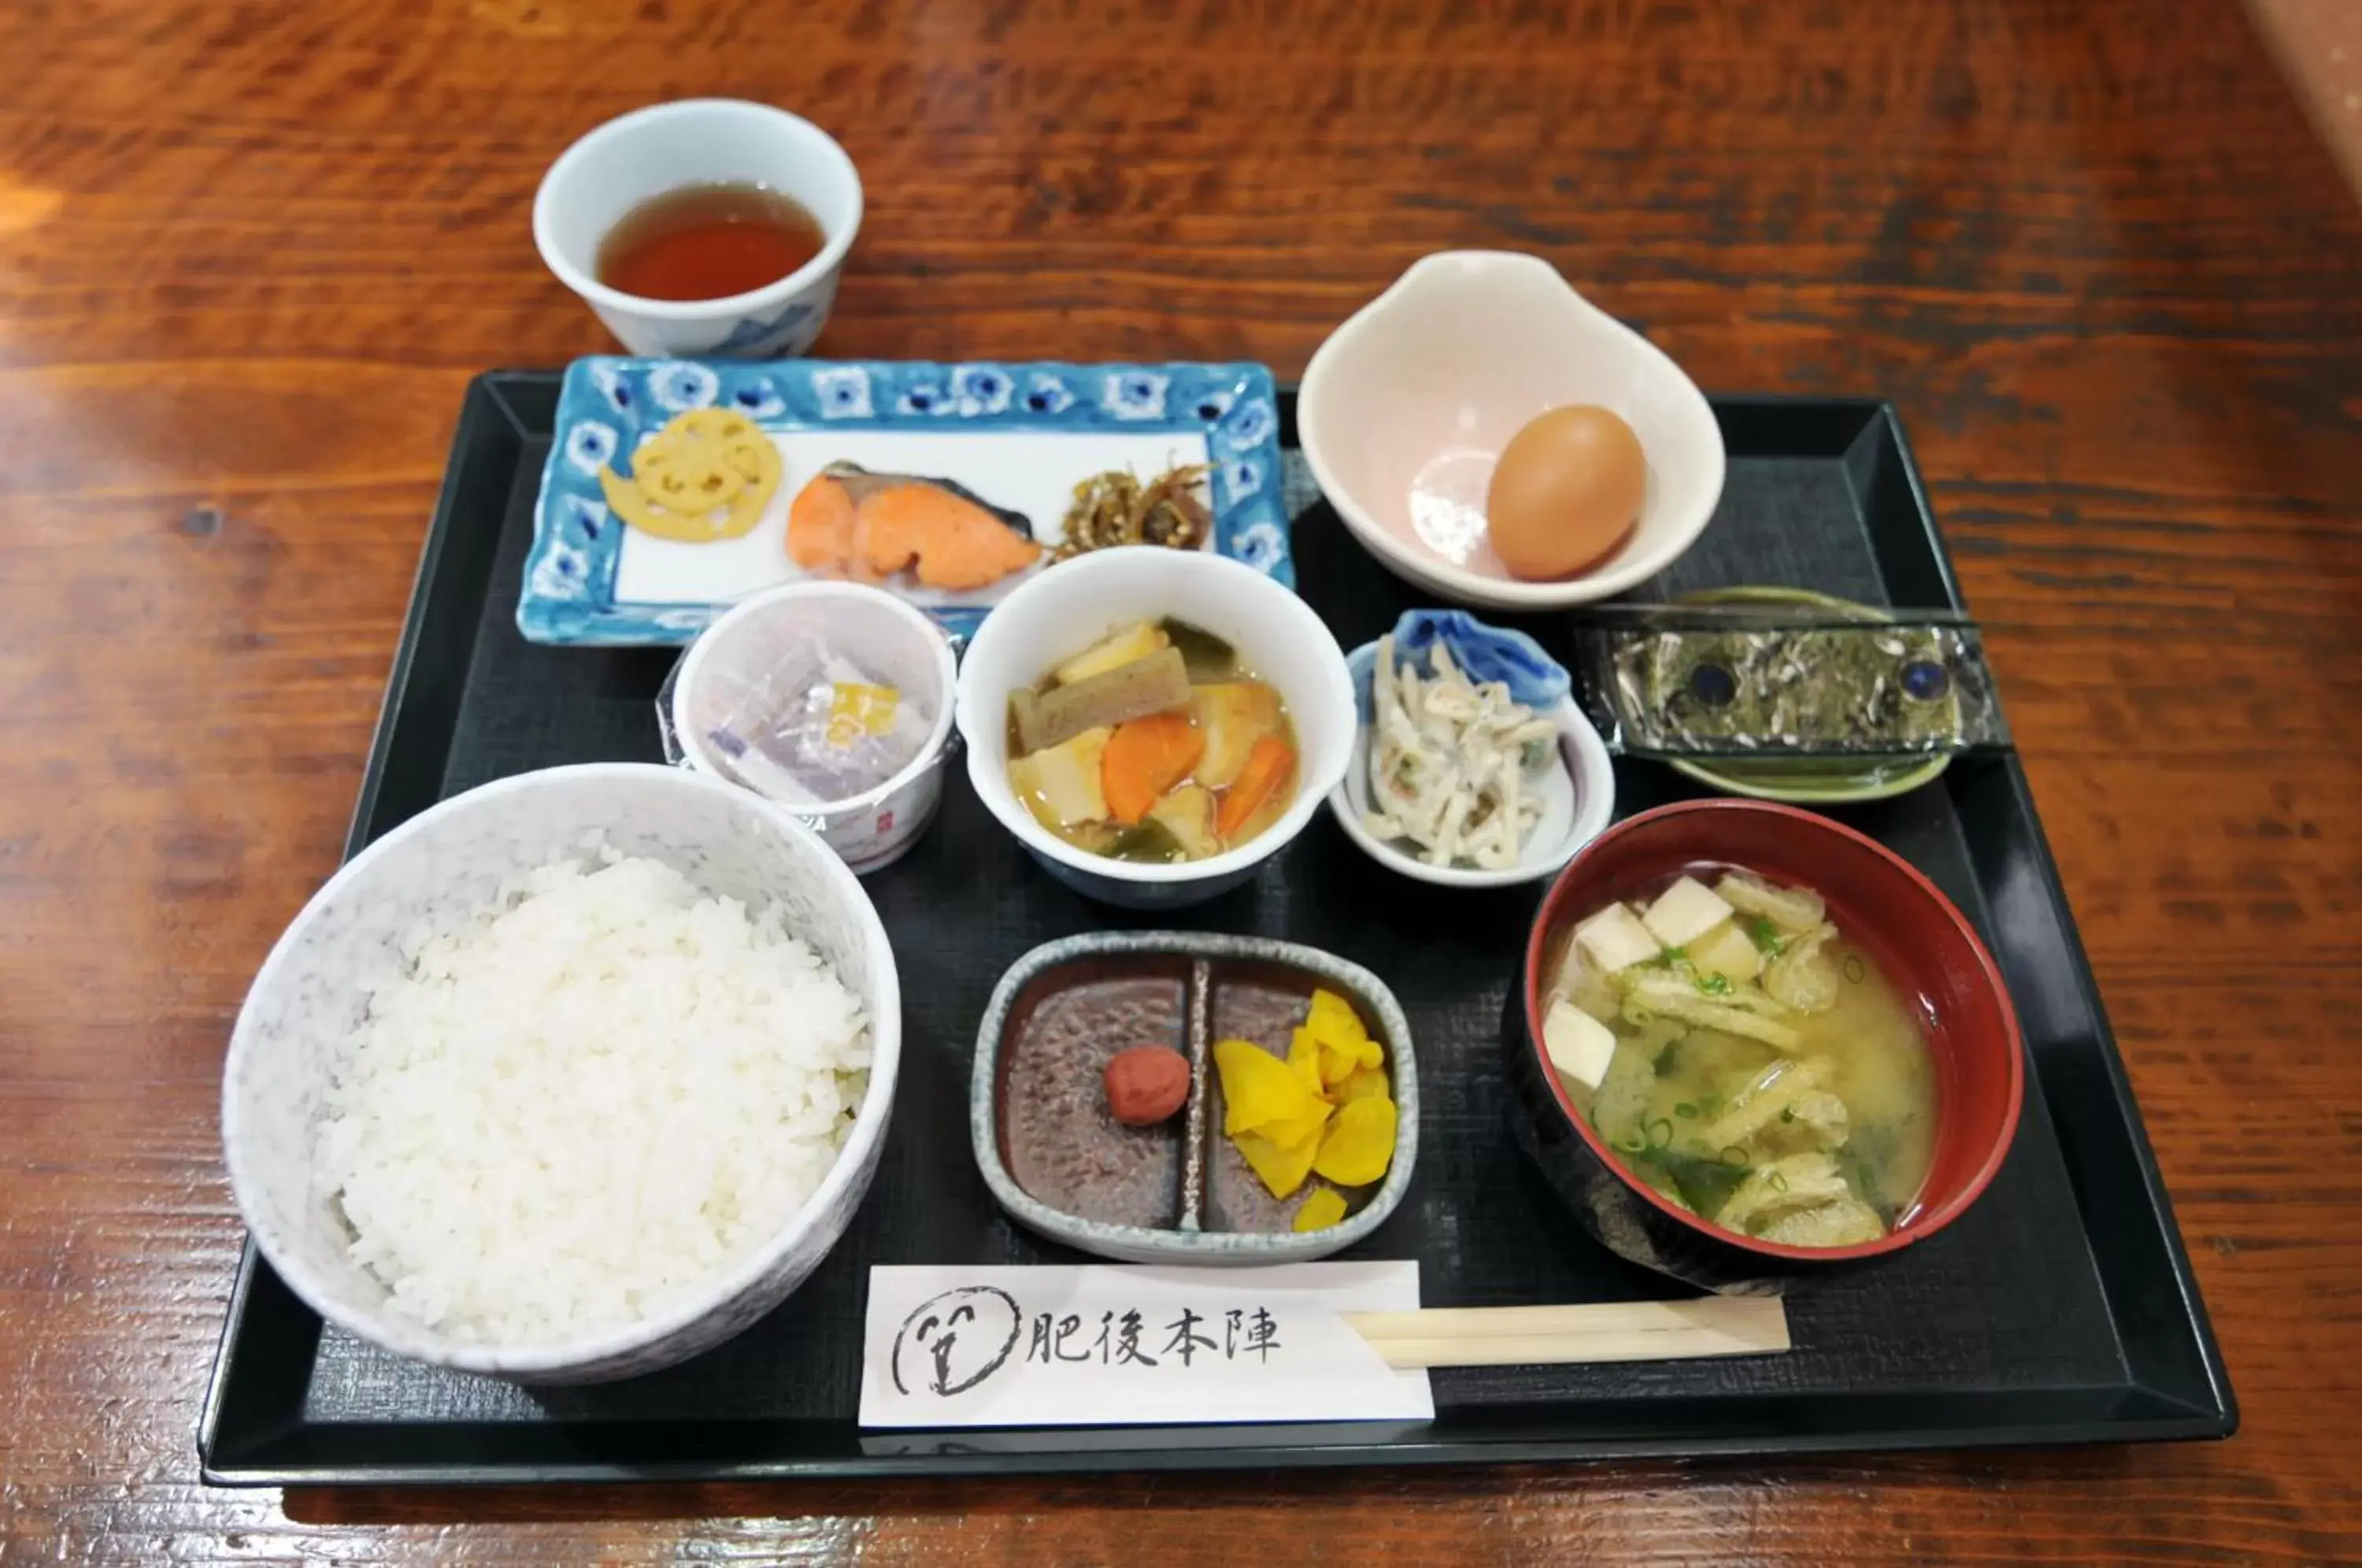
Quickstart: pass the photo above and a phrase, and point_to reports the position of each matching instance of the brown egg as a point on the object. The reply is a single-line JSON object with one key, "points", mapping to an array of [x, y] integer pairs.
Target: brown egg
{"points": [[1566, 491]]}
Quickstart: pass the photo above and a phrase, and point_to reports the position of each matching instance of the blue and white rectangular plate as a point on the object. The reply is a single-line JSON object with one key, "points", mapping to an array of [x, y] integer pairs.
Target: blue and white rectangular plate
{"points": [[1020, 436]]}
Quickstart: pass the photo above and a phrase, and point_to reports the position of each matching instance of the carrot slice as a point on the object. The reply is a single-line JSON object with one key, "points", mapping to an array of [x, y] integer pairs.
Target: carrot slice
{"points": [[1144, 758], [1268, 764]]}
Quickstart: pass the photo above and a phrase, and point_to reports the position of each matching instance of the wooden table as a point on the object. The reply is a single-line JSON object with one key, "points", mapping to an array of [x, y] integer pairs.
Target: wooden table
{"points": [[249, 254]]}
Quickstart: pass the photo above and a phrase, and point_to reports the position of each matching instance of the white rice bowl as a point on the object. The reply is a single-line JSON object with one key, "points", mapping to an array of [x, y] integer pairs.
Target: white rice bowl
{"points": [[587, 1102], [565, 1079]]}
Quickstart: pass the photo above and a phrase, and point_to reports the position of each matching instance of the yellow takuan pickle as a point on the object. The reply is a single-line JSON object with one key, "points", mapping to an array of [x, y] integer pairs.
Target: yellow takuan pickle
{"points": [[1281, 1167], [1304, 1060], [1322, 1210], [1284, 1116], [1262, 1094], [1344, 1044], [1360, 1144]]}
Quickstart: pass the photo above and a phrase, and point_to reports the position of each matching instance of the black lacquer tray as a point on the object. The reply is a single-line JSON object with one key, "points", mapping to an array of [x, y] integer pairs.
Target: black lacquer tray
{"points": [[2061, 1310]]}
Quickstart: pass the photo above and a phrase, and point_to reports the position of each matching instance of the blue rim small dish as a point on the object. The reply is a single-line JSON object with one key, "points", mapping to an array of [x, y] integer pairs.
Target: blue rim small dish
{"points": [[576, 590], [1145, 1244], [1536, 680]]}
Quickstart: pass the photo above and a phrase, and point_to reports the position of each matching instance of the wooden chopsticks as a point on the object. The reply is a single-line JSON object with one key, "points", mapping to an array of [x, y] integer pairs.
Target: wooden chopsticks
{"points": [[1598, 1331]]}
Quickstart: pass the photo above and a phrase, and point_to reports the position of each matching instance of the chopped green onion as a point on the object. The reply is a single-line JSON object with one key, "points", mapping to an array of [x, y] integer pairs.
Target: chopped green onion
{"points": [[1686, 1111], [1765, 935], [1714, 985], [1853, 969], [1779, 1182], [1732, 1154], [1655, 1140], [1787, 1113]]}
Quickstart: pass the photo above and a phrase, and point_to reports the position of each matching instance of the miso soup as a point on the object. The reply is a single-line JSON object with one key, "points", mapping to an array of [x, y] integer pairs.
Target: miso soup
{"points": [[1746, 1060]]}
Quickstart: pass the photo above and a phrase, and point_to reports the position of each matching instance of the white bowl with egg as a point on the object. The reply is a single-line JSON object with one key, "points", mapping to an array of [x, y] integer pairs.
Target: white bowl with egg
{"points": [[1405, 410], [1578, 800], [1065, 609], [294, 1041]]}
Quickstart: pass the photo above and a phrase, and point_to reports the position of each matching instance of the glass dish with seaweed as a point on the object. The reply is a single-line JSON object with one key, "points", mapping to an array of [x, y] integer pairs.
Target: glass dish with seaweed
{"points": [[1785, 694]]}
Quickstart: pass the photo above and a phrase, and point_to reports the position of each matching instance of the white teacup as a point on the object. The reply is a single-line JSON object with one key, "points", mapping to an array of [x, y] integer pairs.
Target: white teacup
{"points": [[692, 142]]}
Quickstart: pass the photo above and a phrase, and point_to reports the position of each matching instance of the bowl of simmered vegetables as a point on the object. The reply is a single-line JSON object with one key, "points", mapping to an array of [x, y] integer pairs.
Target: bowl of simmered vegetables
{"points": [[1153, 724], [1752, 1038]]}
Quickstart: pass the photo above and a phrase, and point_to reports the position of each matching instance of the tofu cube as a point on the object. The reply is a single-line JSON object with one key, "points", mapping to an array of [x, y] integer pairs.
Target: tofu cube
{"points": [[1686, 911], [1725, 951], [1616, 939], [1579, 1044]]}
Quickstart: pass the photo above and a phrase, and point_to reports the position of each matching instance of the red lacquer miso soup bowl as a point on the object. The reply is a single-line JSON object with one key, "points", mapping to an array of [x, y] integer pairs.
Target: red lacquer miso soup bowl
{"points": [[1925, 948]]}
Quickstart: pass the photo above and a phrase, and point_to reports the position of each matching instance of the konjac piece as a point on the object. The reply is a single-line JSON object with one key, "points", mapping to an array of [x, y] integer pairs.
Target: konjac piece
{"points": [[1157, 684]]}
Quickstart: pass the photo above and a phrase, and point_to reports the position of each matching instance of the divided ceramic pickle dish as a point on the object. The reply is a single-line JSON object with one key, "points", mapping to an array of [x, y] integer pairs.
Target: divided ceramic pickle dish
{"points": [[1177, 1191], [2057, 1307]]}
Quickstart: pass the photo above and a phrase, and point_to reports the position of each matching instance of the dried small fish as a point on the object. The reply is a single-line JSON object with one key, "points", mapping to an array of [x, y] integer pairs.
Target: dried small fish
{"points": [[1114, 508]]}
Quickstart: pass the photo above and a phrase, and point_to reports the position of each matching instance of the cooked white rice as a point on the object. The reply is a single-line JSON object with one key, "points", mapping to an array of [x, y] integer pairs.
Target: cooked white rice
{"points": [[597, 1096]]}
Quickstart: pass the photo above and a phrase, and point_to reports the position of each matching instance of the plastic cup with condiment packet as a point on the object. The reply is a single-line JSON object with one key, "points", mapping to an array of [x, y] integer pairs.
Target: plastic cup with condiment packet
{"points": [[832, 698]]}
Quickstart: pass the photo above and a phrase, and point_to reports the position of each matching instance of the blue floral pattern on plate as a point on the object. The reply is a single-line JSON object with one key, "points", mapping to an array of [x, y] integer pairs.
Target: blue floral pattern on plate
{"points": [[981, 389], [842, 391], [1046, 392], [680, 385], [928, 398], [759, 400], [611, 404], [1255, 425], [589, 447], [613, 385], [1136, 393]]}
